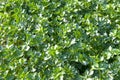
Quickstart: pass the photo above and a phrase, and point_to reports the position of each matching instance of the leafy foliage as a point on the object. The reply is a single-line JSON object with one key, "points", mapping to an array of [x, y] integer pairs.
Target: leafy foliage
{"points": [[60, 39]]}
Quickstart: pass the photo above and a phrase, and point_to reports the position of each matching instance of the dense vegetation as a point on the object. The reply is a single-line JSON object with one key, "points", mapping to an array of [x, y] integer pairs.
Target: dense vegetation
{"points": [[59, 39]]}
